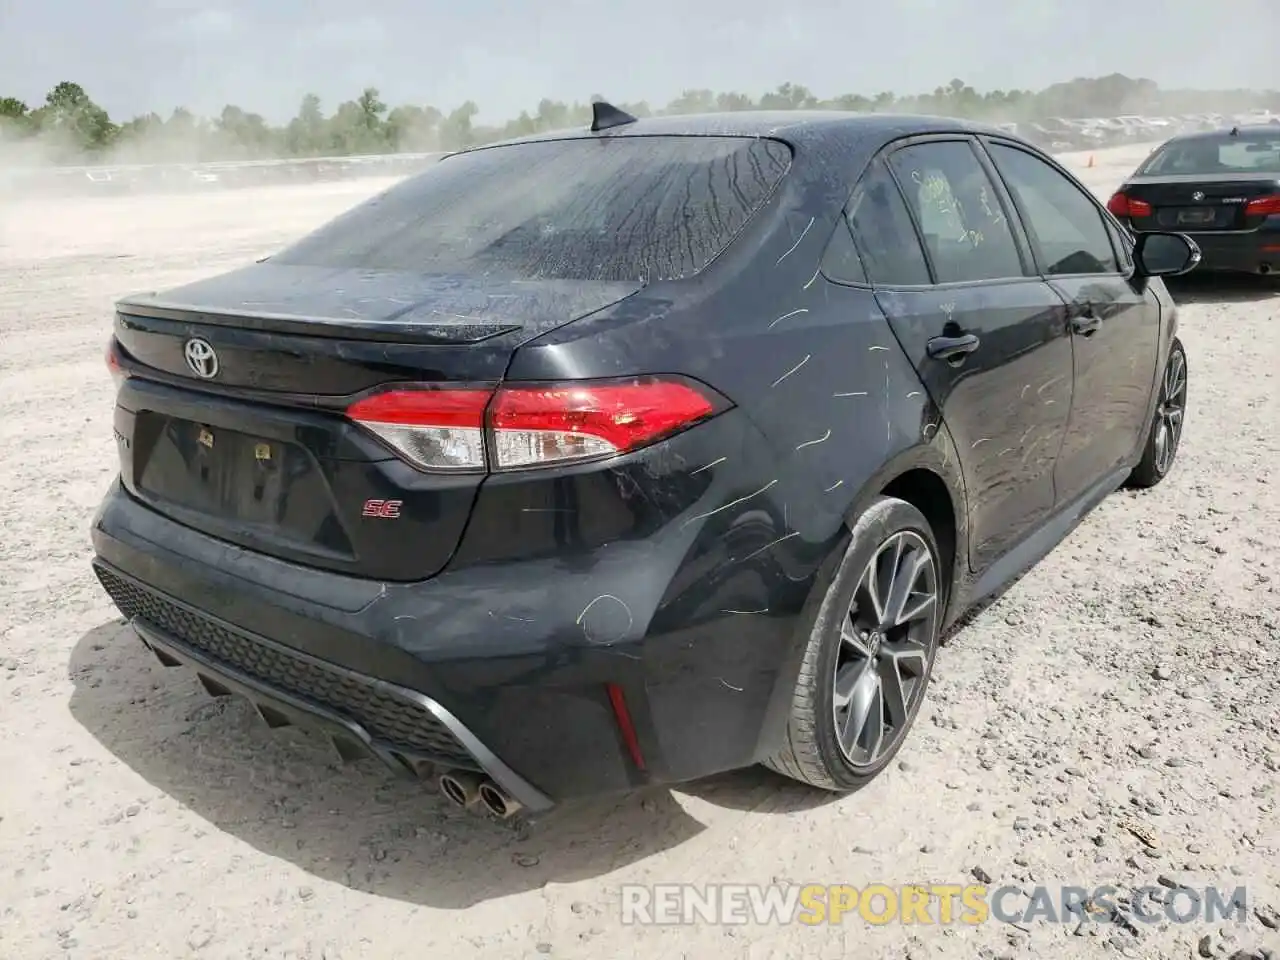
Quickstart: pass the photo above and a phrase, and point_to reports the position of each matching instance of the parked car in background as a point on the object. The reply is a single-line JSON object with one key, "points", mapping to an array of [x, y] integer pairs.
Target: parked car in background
{"points": [[1221, 187], [1111, 129]]}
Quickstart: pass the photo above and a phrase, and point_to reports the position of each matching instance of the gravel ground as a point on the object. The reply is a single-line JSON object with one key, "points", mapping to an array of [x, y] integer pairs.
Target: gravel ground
{"points": [[1112, 719]]}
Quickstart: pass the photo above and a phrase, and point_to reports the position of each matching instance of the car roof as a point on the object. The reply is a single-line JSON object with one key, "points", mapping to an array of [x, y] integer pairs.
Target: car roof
{"points": [[798, 127], [1244, 129]]}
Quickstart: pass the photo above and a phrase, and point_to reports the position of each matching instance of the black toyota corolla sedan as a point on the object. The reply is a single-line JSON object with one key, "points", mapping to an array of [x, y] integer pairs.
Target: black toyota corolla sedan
{"points": [[1221, 187], [631, 454]]}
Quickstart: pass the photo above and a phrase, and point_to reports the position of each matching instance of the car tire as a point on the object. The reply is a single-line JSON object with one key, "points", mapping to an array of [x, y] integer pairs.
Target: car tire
{"points": [[1164, 436], [854, 647]]}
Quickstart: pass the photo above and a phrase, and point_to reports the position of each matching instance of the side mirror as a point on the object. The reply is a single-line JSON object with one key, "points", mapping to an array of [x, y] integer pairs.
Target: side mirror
{"points": [[1165, 254]]}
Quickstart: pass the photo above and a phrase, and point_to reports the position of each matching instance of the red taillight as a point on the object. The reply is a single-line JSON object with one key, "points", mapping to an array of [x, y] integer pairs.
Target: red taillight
{"points": [[534, 425], [118, 373], [436, 429], [530, 425], [1123, 205], [1263, 206]]}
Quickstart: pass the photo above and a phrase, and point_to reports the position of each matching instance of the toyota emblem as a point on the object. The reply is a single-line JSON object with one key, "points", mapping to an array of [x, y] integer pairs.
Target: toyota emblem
{"points": [[1198, 196], [201, 358]]}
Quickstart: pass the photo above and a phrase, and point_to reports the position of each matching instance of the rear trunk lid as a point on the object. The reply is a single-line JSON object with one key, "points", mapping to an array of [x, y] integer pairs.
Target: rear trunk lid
{"points": [[1193, 204], [243, 435]]}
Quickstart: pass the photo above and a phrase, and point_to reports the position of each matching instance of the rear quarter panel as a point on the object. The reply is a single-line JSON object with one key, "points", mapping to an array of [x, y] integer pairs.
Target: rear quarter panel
{"points": [[838, 409], [835, 412]]}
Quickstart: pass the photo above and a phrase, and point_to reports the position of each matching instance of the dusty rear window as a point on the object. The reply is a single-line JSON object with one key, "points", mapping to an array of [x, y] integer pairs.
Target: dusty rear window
{"points": [[610, 208], [1206, 156]]}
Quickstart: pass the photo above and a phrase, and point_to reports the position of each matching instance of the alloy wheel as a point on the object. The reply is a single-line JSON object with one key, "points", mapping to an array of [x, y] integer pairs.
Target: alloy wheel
{"points": [[1169, 414], [887, 642]]}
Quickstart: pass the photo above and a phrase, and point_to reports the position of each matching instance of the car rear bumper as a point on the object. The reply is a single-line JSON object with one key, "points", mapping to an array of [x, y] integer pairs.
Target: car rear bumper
{"points": [[1257, 251], [501, 668], [406, 731]]}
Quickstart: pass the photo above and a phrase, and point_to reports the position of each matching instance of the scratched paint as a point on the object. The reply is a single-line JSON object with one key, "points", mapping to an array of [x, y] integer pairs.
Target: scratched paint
{"points": [[822, 439], [788, 316], [727, 506], [792, 248], [888, 419], [768, 546], [792, 370], [707, 466], [602, 618]]}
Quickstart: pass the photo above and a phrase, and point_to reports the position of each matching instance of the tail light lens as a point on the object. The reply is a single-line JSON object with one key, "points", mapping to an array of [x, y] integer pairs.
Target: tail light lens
{"points": [[517, 426], [435, 429], [1263, 206], [118, 373], [533, 425], [1122, 205]]}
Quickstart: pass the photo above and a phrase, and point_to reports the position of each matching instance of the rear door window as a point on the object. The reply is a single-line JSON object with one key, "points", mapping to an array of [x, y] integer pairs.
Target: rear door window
{"points": [[884, 233], [965, 229], [609, 208]]}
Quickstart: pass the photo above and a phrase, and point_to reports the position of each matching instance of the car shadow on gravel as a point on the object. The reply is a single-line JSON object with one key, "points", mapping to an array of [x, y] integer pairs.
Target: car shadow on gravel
{"points": [[284, 793], [1223, 288]]}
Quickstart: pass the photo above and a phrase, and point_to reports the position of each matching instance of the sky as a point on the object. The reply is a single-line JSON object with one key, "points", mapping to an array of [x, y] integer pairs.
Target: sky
{"points": [[135, 56]]}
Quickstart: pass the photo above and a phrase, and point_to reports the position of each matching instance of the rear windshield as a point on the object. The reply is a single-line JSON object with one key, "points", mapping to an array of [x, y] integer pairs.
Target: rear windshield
{"points": [[1246, 153], [610, 208]]}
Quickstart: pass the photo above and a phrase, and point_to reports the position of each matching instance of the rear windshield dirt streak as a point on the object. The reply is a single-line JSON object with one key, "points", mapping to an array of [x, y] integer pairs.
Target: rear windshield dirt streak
{"points": [[626, 208]]}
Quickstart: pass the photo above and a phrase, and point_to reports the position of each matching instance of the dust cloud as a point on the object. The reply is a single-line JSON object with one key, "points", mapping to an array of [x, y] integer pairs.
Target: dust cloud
{"points": [[64, 138], [1128, 679]]}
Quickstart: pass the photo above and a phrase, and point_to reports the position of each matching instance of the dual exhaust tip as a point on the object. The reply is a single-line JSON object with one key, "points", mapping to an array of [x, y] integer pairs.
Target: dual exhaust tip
{"points": [[466, 789]]}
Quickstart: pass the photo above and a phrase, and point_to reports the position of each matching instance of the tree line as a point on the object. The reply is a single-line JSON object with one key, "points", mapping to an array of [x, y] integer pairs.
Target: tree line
{"points": [[69, 127]]}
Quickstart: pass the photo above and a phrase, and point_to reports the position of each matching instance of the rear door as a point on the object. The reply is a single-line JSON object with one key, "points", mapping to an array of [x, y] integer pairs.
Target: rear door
{"points": [[987, 338], [1115, 320]]}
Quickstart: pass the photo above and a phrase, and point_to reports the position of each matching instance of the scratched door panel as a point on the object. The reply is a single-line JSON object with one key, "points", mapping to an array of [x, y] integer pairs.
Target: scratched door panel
{"points": [[1117, 321], [1006, 404], [1115, 374]]}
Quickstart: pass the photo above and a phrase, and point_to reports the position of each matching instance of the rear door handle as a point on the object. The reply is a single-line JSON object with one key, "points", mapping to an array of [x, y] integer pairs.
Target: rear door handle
{"points": [[952, 348]]}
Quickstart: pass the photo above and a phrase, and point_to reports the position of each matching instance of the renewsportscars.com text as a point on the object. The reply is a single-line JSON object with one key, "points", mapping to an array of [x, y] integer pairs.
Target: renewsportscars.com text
{"points": [[923, 904]]}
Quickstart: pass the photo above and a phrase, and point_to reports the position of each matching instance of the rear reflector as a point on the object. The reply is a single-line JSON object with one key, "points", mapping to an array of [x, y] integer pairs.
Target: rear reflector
{"points": [[519, 425], [626, 726], [1263, 206], [1122, 205]]}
